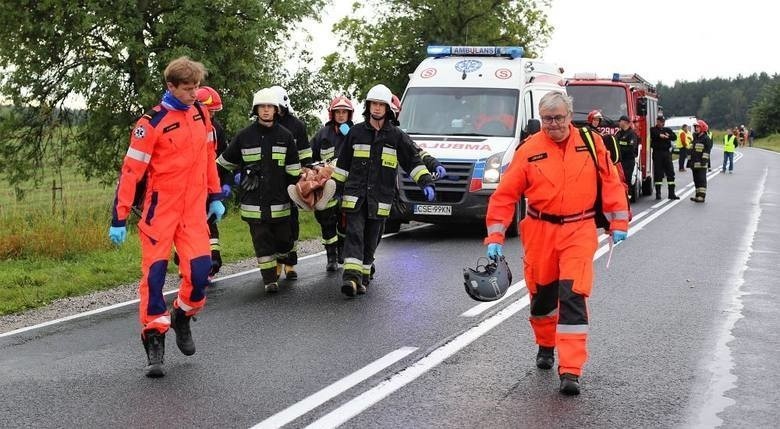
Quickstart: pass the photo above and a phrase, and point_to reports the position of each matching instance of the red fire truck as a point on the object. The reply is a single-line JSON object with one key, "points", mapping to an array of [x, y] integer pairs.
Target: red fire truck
{"points": [[622, 94]]}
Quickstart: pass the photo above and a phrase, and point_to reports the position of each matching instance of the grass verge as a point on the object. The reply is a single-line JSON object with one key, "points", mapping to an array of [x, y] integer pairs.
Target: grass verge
{"points": [[45, 258]]}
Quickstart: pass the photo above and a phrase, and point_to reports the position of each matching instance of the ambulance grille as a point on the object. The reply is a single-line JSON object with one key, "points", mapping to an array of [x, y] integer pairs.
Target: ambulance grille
{"points": [[451, 189]]}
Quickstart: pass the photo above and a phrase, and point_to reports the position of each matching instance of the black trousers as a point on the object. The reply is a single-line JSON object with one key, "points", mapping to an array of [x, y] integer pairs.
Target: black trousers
{"points": [[360, 244], [663, 167], [273, 241], [700, 181], [328, 219], [295, 228]]}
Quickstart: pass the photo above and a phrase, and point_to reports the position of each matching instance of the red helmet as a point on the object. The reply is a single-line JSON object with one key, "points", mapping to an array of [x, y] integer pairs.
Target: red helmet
{"points": [[340, 103], [703, 127], [593, 115], [395, 105], [209, 98]]}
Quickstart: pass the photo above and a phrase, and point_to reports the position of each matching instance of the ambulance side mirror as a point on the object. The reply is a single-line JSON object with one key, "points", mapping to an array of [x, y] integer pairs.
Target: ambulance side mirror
{"points": [[533, 127]]}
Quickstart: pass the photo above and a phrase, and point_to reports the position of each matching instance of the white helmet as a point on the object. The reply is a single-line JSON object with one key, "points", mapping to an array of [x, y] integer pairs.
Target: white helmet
{"points": [[264, 96], [281, 94], [381, 94]]}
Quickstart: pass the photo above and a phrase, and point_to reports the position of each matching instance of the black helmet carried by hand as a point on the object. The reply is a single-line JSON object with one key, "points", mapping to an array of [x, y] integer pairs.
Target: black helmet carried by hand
{"points": [[488, 282]]}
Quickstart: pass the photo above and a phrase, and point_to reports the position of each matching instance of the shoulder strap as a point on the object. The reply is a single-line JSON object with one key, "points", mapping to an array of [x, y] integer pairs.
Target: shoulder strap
{"points": [[588, 139], [200, 112]]}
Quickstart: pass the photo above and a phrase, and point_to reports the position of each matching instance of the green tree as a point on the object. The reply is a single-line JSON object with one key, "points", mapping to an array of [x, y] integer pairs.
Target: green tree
{"points": [[110, 56], [765, 113], [389, 47]]}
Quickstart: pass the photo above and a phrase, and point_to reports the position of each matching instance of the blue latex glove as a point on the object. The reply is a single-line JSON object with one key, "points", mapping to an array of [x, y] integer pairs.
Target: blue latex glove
{"points": [[618, 236], [440, 172], [344, 128], [117, 234], [217, 209], [430, 194], [237, 178], [226, 191], [494, 251]]}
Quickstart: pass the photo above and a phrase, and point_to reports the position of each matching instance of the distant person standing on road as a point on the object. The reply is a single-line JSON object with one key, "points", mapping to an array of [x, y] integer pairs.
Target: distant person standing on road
{"points": [[751, 136], [661, 139], [729, 145], [700, 159], [171, 147], [683, 141], [554, 170], [628, 142]]}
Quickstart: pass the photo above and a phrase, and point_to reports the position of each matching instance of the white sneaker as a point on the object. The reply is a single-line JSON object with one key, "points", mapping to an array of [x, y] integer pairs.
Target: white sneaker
{"points": [[328, 191], [292, 191]]}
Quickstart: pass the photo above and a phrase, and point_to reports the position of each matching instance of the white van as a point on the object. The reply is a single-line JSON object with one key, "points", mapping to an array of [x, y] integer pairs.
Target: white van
{"points": [[470, 106], [676, 122]]}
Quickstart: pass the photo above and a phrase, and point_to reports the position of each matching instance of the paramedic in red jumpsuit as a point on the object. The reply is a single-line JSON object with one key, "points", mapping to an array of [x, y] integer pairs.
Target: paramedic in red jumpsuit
{"points": [[170, 146]]}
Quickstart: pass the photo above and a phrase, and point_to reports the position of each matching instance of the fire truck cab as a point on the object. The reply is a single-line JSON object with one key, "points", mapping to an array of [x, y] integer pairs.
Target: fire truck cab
{"points": [[621, 94]]}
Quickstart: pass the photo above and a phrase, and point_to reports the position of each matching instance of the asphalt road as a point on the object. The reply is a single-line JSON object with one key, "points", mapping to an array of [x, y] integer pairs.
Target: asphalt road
{"points": [[684, 329]]}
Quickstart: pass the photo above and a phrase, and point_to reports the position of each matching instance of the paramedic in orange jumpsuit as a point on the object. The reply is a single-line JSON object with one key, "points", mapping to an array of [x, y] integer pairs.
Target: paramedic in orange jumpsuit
{"points": [[170, 146], [555, 171]]}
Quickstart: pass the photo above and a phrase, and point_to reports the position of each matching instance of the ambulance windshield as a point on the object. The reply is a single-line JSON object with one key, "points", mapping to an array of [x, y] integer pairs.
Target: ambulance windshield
{"points": [[611, 100], [460, 111]]}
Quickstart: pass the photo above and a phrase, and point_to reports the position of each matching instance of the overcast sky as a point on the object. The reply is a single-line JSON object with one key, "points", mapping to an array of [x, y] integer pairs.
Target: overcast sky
{"points": [[661, 40]]}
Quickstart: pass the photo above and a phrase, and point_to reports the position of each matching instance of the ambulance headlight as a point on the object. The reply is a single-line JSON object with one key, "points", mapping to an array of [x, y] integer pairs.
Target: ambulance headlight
{"points": [[492, 169]]}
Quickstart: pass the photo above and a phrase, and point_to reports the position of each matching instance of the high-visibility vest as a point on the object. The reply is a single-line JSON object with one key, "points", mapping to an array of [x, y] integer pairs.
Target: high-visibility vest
{"points": [[683, 139], [728, 143]]}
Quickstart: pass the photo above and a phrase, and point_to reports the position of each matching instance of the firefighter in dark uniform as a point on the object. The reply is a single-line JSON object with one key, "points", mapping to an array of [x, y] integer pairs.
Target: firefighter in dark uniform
{"points": [[366, 176], [325, 146], [628, 142], [298, 130], [266, 154], [661, 139], [700, 159]]}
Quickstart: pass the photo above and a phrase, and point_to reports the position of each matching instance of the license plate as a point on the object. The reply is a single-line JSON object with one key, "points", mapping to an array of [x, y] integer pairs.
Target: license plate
{"points": [[434, 210]]}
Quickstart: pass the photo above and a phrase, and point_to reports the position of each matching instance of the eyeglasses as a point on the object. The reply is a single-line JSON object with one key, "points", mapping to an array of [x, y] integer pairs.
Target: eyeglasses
{"points": [[557, 118]]}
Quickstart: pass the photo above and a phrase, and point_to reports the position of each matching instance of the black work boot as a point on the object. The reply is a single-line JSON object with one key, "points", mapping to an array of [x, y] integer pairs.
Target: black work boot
{"points": [[180, 323], [672, 195], [331, 251], [545, 357], [349, 288], [290, 273], [154, 344], [363, 286], [657, 192], [340, 251], [570, 384]]}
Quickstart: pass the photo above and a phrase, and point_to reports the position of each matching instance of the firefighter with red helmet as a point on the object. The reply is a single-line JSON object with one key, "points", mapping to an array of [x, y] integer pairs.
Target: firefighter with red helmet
{"points": [[555, 171], [171, 147], [325, 146], [212, 101], [700, 159], [366, 173], [266, 154], [594, 123]]}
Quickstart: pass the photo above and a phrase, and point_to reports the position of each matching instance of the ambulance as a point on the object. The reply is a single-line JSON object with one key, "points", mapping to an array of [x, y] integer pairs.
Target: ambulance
{"points": [[470, 107]]}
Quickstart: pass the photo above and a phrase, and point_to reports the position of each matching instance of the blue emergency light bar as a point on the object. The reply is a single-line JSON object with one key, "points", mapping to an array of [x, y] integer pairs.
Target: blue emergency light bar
{"points": [[475, 51]]}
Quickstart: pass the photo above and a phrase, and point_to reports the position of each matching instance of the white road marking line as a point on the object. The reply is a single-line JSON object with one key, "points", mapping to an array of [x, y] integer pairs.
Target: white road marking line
{"points": [[315, 400], [400, 379]]}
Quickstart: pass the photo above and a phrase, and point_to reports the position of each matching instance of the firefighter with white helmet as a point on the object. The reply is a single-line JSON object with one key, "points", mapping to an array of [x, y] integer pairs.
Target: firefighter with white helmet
{"points": [[298, 129], [325, 146], [266, 154], [366, 177]]}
